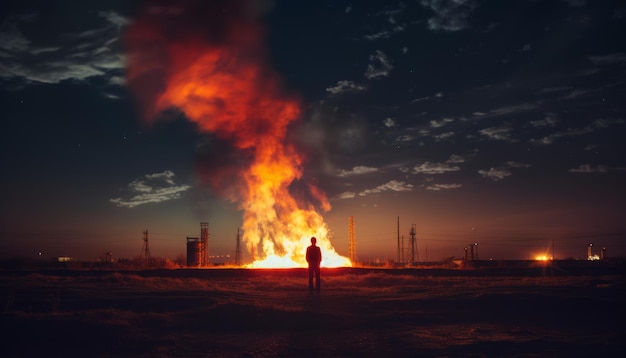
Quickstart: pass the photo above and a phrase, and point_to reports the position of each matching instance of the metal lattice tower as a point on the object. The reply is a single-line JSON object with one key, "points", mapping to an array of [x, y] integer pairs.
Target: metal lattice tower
{"points": [[414, 255], [145, 250], [399, 250], [238, 250], [204, 242], [352, 244]]}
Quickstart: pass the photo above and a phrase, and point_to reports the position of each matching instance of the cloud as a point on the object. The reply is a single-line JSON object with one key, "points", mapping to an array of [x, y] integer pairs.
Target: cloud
{"points": [[525, 48], [165, 176], [389, 122], [405, 138], [392, 20], [437, 187], [441, 123], [606, 122], [11, 39], [152, 188], [443, 136], [450, 15], [379, 66], [610, 59], [384, 34], [420, 99], [502, 132], [347, 195], [358, 170], [502, 171], [587, 168], [72, 56], [547, 121], [111, 95], [600, 123], [432, 168], [549, 90], [502, 111], [513, 164], [345, 86], [574, 94], [379, 35], [568, 133], [455, 159], [495, 173], [393, 185]]}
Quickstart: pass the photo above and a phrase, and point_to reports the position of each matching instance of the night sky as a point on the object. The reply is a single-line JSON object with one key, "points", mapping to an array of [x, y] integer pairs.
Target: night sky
{"points": [[495, 122]]}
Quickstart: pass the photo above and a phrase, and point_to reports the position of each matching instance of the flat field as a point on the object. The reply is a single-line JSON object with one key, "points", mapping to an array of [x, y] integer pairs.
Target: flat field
{"points": [[266, 313]]}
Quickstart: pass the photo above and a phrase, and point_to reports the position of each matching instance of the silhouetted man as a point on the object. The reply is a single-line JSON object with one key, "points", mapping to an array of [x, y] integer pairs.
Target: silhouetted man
{"points": [[314, 258]]}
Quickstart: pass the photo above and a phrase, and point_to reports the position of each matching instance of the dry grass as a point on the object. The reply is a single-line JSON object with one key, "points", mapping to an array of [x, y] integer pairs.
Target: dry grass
{"points": [[270, 313]]}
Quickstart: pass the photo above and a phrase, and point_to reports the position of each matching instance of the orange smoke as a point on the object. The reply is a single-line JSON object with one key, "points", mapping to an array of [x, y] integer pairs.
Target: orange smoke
{"points": [[208, 61]]}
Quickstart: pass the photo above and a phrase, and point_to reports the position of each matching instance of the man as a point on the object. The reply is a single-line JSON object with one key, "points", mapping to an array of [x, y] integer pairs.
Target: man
{"points": [[314, 258]]}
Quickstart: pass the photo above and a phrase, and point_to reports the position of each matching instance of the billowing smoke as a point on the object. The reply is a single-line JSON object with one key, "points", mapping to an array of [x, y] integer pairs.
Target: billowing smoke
{"points": [[208, 60]]}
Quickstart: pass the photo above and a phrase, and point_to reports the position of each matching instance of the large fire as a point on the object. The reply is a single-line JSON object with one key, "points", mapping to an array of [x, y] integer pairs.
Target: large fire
{"points": [[207, 60]]}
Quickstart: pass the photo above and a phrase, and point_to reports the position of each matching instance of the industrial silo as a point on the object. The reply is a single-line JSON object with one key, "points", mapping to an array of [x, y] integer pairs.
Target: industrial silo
{"points": [[195, 251]]}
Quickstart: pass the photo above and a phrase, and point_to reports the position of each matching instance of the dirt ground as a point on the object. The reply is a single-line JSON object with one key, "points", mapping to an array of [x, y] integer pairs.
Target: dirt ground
{"points": [[270, 313]]}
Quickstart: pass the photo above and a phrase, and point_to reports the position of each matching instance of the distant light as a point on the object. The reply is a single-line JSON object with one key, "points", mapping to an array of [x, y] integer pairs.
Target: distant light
{"points": [[593, 257], [542, 258]]}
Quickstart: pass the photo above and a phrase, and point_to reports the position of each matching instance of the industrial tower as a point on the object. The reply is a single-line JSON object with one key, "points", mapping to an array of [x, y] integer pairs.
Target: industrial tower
{"points": [[204, 238], [198, 248], [238, 250], [352, 244], [473, 251]]}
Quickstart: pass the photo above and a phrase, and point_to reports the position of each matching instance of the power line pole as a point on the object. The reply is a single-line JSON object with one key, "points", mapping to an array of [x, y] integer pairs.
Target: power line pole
{"points": [[403, 249], [145, 250]]}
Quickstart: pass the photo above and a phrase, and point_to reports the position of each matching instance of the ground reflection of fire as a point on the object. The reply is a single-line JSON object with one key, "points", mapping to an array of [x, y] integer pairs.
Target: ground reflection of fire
{"points": [[208, 60]]}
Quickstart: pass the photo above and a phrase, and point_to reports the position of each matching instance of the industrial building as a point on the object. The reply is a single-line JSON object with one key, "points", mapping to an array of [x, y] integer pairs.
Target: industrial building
{"points": [[198, 248]]}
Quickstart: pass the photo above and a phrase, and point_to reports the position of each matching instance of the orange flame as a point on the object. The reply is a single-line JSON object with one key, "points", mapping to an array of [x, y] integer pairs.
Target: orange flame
{"points": [[225, 87]]}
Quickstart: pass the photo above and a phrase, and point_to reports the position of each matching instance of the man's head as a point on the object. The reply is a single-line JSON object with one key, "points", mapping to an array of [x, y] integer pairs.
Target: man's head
{"points": [[313, 240]]}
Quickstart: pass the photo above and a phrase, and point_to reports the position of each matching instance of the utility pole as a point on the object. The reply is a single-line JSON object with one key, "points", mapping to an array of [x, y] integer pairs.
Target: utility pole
{"points": [[145, 250], [402, 249]]}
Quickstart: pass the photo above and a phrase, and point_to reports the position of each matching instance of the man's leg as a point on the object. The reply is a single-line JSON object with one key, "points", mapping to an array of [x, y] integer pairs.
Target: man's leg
{"points": [[317, 278], [311, 278]]}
